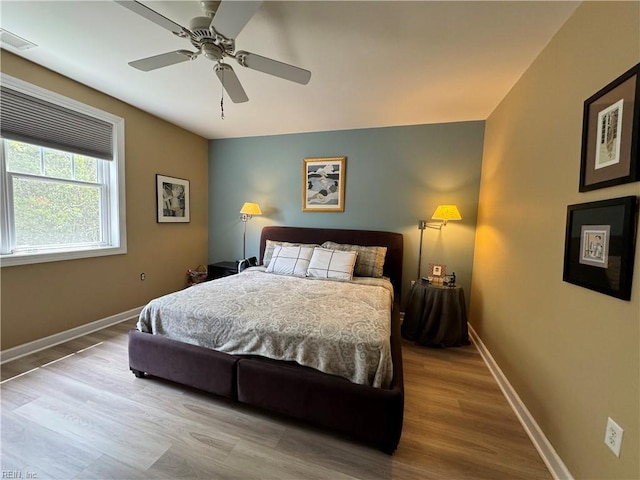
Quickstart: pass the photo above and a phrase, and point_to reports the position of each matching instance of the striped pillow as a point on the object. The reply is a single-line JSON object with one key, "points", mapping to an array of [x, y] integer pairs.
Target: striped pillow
{"points": [[326, 263], [290, 260], [370, 262]]}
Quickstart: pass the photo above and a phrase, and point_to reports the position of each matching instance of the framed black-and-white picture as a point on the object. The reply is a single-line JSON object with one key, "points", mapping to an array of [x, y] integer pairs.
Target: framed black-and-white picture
{"points": [[323, 184], [594, 245], [172, 198], [610, 126], [600, 245]]}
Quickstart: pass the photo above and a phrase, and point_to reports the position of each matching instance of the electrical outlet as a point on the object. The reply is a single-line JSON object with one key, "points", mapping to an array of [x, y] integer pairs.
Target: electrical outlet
{"points": [[613, 436], [142, 277]]}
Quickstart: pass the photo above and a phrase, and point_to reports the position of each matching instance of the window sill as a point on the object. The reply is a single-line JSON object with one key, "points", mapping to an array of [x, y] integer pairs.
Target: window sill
{"points": [[30, 258]]}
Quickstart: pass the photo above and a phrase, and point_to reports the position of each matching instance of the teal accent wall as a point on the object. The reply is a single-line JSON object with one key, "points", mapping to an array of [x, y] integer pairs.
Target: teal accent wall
{"points": [[395, 176]]}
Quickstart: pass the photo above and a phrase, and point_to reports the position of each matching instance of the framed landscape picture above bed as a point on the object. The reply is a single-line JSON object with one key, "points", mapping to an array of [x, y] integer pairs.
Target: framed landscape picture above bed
{"points": [[172, 198], [610, 138], [323, 184]]}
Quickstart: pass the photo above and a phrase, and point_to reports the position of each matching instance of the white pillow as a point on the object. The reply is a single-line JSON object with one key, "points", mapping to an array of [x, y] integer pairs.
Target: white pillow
{"points": [[271, 244], [290, 260], [327, 263]]}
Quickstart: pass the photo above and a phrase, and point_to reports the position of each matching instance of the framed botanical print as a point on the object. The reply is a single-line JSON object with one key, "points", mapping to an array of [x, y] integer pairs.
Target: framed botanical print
{"points": [[323, 184], [610, 126], [172, 200], [600, 245]]}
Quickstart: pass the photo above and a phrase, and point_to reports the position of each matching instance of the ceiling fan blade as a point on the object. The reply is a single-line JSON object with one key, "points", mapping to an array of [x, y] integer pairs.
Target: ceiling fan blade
{"points": [[154, 16], [230, 82], [162, 60], [232, 16], [273, 67]]}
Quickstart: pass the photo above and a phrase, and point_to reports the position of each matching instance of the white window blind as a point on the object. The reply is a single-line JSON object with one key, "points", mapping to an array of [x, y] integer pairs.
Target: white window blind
{"points": [[33, 120]]}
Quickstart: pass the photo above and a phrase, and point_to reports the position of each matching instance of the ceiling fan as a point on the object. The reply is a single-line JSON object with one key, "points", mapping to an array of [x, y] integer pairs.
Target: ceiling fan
{"points": [[214, 36]]}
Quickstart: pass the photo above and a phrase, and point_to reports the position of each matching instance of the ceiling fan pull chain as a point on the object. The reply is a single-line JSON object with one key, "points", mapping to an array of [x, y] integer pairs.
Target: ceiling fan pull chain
{"points": [[222, 97]]}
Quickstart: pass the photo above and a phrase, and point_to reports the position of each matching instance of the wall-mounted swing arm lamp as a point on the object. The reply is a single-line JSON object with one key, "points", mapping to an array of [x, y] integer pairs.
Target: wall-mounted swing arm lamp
{"points": [[247, 211], [443, 213]]}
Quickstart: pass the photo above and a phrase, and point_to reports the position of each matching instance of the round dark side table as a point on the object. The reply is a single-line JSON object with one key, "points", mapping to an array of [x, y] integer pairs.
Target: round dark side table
{"points": [[436, 316]]}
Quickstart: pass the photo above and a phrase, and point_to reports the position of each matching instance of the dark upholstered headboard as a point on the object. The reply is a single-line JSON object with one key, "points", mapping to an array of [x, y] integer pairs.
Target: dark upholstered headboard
{"points": [[393, 242]]}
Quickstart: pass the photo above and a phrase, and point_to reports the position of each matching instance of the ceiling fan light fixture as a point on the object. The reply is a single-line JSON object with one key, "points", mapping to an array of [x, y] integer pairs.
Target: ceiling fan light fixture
{"points": [[212, 51]]}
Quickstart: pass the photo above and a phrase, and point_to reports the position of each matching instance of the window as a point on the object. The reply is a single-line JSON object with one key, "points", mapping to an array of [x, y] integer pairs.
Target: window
{"points": [[61, 178]]}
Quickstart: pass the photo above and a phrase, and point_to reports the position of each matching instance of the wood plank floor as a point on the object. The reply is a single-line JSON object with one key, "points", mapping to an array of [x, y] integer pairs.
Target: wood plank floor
{"points": [[75, 411]]}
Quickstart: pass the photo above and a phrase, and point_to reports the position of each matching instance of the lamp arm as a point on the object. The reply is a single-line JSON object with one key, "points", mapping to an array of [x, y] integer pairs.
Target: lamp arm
{"points": [[422, 224], [435, 226]]}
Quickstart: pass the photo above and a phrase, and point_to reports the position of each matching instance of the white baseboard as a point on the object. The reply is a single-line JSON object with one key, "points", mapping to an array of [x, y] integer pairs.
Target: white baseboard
{"points": [[58, 338], [554, 463]]}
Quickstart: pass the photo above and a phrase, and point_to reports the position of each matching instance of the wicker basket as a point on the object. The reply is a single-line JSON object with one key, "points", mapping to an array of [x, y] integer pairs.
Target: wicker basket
{"points": [[198, 275]]}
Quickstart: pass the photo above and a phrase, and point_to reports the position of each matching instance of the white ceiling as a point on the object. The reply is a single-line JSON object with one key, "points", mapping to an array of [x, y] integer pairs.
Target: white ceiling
{"points": [[373, 63]]}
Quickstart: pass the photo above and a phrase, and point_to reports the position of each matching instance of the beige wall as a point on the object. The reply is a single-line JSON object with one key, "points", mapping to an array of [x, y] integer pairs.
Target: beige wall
{"points": [[47, 298], [572, 354]]}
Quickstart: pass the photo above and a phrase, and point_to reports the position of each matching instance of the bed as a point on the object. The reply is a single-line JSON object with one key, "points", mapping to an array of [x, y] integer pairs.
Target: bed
{"points": [[366, 405]]}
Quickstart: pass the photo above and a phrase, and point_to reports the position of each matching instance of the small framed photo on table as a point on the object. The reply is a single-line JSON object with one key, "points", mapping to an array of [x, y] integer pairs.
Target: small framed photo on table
{"points": [[600, 245], [610, 126], [437, 272], [172, 199]]}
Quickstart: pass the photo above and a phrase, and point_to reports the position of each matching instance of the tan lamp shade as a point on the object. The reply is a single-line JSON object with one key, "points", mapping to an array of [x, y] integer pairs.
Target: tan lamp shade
{"points": [[251, 209], [446, 212]]}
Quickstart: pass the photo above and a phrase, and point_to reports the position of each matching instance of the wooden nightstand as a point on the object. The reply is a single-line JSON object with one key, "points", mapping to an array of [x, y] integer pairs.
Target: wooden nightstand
{"points": [[221, 269], [436, 316]]}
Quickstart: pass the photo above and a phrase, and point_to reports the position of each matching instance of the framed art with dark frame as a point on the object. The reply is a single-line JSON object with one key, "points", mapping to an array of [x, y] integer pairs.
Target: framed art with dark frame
{"points": [[610, 125], [600, 245], [323, 184], [172, 200]]}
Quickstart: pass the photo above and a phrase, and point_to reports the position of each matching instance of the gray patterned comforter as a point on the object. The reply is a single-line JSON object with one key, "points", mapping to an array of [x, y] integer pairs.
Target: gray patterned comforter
{"points": [[341, 328]]}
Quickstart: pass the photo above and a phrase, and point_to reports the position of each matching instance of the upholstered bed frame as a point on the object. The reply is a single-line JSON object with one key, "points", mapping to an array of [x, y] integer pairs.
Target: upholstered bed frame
{"points": [[372, 415]]}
